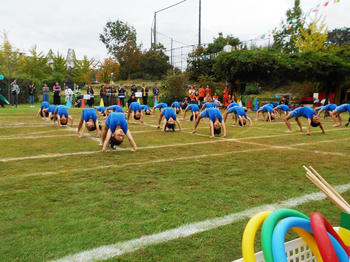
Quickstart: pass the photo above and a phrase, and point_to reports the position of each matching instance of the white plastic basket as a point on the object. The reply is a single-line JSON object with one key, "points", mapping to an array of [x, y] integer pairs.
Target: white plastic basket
{"points": [[296, 250]]}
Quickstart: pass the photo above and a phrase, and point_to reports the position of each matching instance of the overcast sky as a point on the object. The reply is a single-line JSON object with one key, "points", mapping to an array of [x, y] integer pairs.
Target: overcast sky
{"points": [[76, 24]]}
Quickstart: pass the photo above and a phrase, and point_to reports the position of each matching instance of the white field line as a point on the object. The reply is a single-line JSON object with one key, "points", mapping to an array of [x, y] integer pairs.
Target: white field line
{"points": [[120, 248], [21, 126], [34, 137], [34, 133], [165, 146], [134, 164]]}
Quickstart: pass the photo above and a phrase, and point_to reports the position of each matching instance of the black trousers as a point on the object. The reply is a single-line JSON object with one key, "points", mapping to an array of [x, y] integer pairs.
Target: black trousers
{"points": [[14, 99], [122, 102], [144, 99], [56, 99]]}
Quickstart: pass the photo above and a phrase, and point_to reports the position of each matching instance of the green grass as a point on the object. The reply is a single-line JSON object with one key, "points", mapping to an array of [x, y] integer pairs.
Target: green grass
{"points": [[53, 207]]}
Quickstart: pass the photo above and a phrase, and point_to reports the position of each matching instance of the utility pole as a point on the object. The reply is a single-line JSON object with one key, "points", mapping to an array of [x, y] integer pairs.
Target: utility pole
{"points": [[155, 30], [200, 18], [151, 37], [171, 53]]}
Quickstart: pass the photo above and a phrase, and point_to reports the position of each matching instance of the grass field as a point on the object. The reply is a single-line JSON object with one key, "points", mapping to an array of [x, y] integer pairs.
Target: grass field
{"points": [[61, 196]]}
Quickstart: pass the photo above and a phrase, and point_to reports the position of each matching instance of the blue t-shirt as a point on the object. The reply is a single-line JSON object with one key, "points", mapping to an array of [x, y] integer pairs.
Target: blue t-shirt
{"points": [[306, 112], [145, 108], [52, 109], [169, 112], [116, 108], [193, 107], [210, 105], [161, 105], [320, 108], [135, 106], [89, 113], [44, 104], [212, 113], [237, 110], [62, 110], [101, 109], [330, 107], [176, 104], [343, 108], [232, 105], [283, 108], [267, 108], [117, 119]]}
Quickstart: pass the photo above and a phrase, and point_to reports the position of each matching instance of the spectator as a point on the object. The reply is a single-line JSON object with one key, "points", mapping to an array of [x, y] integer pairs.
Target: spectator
{"points": [[208, 91], [113, 96], [121, 94], [226, 94], [108, 95], [76, 90], [14, 92], [91, 101], [31, 90], [156, 92], [56, 94], [46, 91], [144, 93], [201, 94], [69, 94], [133, 89], [78, 100], [102, 94], [191, 92], [131, 100]]}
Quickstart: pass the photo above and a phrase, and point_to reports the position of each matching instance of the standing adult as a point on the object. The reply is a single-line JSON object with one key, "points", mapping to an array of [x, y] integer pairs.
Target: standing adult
{"points": [[226, 98], [121, 94], [69, 94], [46, 91], [56, 94], [14, 92], [133, 89], [31, 89], [91, 101], [201, 94], [108, 96], [208, 91], [76, 91], [102, 94], [156, 92], [113, 96], [144, 90]]}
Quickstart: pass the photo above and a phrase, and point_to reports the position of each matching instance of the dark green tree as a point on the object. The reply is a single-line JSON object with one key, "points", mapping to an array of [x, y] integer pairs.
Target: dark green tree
{"points": [[120, 41], [285, 38], [339, 36], [155, 63], [220, 41]]}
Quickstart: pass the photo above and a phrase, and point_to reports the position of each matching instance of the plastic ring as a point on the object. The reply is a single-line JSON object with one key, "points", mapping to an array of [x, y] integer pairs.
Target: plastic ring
{"points": [[249, 235], [290, 222], [269, 225], [321, 228]]}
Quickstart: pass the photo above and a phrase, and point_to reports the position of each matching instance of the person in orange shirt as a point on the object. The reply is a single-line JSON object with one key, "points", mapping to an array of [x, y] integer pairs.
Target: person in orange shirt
{"points": [[201, 93], [191, 92], [216, 97], [226, 96], [208, 91]]}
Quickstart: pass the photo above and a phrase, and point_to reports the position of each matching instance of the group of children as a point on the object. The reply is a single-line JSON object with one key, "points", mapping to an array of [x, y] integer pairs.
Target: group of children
{"points": [[116, 120]]}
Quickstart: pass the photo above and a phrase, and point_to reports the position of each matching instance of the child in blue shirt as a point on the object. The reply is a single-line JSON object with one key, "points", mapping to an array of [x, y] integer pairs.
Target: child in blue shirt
{"points": [[306, 112], [215, 121]]}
